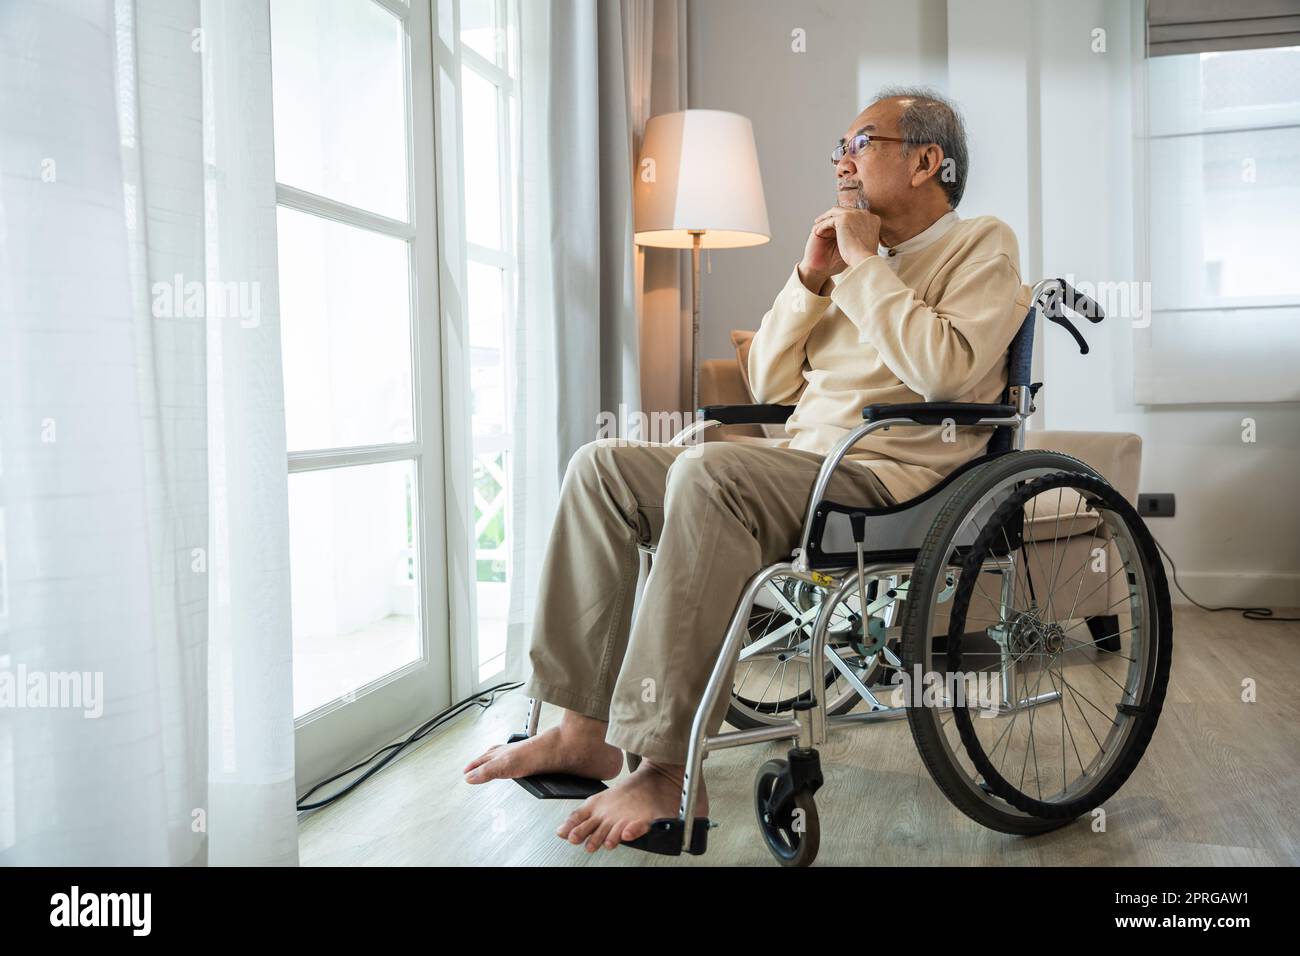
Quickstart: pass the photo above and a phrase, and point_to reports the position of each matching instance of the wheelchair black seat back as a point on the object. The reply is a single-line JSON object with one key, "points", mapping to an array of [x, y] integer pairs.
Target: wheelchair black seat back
{"points": [[1017, 615]]}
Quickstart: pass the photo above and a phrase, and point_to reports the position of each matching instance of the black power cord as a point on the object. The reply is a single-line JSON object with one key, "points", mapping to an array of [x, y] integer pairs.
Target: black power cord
{"points": [[1249, 613], [484, 699]]}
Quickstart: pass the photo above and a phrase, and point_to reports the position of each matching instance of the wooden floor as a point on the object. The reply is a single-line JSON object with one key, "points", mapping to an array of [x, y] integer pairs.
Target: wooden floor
{"points": [[1220, 785]]}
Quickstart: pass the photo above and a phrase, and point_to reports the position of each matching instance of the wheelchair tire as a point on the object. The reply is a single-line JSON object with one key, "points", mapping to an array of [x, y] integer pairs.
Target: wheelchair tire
{"points": [[983, 793], [793, 844]]}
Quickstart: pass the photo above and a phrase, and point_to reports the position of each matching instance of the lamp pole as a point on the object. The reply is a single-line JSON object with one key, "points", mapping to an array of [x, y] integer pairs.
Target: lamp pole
{"points": [[697, 236]]}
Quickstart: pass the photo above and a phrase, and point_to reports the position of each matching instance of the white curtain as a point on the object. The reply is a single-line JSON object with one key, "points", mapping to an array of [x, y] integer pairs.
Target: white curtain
{"points": [[143, 530], [588, 70]]}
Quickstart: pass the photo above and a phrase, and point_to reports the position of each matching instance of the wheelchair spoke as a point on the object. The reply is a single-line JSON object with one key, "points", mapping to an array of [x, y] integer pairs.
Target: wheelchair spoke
{"points": [[771, 677], [760, 648], [1064, 783], [1092, 540], [1064, 551], [1065, 724], [1051, 563], [1087, 723], [1050, 576], [1006, 734], [1079, 694], [1033, 712], [1109, 577], [1116, 655], [1080, 575], [1032, 521], [1093, 661]]}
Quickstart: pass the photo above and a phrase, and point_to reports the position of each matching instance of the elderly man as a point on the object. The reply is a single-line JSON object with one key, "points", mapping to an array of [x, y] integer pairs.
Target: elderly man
{"points": [[896, 299]]}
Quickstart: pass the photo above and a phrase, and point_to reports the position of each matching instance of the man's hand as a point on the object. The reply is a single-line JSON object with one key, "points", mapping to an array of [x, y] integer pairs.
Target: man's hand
{"points": [[821, 258], [855, 232]]}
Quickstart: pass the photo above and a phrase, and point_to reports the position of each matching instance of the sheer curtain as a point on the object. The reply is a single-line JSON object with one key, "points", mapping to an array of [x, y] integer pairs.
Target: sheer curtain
{"points": [[590, 71], [143, 533]]}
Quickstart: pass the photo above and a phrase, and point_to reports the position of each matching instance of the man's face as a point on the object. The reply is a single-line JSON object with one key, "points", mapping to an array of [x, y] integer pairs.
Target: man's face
{"points": [[880, 173]]}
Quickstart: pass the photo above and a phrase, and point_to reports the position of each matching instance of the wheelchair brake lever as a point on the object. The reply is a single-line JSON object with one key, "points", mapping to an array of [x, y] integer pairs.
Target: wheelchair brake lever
{"points": [[1054, 315], [1065, 296]]}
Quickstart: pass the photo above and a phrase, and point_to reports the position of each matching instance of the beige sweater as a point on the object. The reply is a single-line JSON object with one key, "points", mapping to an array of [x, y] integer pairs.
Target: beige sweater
{"points": [[933, 325]]}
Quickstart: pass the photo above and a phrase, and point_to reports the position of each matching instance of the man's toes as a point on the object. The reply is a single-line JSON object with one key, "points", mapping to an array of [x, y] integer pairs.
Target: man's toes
{"points": [[635, 830], [584, 829], [615, 835], [501, 764], [571, 821], [599, 836], [482, 758]]}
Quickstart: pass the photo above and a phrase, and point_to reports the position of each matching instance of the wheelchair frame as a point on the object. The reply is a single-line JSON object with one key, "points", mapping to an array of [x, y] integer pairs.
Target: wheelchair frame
{"points": [[811, 723]]}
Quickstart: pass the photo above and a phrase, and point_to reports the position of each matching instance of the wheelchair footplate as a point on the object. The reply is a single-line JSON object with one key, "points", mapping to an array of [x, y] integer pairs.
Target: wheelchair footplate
{"points": [[665, 837], [557, 786]]}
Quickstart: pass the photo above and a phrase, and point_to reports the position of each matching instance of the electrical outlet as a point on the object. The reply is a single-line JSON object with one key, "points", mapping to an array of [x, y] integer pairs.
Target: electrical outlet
{"points": [[1156, 505]]}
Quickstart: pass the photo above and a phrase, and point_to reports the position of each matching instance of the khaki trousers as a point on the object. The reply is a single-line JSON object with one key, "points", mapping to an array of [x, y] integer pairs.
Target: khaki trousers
{"points": [[717, 512]]}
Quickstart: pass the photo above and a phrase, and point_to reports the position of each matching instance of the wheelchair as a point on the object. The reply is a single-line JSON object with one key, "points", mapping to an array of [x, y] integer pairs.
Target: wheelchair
{"points": [[1017, 616]]}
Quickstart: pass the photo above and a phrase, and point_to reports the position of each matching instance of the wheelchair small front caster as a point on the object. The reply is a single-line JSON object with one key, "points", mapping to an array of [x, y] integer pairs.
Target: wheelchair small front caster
{"points": [[786, 810]]}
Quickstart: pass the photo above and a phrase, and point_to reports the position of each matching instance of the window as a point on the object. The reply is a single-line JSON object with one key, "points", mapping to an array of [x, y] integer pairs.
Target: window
{"points": [[357, 242], [396, 140], [1224, 187]]}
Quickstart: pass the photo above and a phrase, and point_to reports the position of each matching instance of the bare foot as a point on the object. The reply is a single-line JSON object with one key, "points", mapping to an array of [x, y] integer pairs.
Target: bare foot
{"points": [[626, 810], [577, 745]]}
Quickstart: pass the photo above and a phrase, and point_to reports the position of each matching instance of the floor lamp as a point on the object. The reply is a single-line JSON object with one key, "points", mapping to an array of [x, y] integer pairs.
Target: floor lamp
{"points": [[697, 187]]}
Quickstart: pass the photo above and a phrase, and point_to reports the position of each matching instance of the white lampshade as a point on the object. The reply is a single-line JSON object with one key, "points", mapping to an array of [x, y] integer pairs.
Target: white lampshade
{"points": [[704, 178]]}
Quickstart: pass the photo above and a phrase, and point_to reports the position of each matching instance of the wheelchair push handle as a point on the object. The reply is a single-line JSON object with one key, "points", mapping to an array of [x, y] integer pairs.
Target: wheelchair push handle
{"points": [[1066, 297]]}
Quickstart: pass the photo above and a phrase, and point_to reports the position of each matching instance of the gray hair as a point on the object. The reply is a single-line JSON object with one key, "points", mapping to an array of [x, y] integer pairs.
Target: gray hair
{"points": [[933, 118]]}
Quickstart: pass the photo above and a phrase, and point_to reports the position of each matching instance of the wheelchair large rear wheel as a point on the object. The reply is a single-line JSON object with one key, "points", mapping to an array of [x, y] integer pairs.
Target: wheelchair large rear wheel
{"points": [[1020, 717]]}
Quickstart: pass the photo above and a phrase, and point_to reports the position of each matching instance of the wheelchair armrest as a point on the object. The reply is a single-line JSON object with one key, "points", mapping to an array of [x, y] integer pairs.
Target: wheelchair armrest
{"points": [[747, 414], [936, 413]]}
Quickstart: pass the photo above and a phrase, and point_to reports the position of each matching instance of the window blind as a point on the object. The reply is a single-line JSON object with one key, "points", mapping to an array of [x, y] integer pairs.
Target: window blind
{"points": [[1206, 26]]}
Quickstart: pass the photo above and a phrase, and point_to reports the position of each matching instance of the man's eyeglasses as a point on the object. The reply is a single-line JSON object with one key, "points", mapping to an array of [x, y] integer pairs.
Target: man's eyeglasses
{"points": [[858, 143]]}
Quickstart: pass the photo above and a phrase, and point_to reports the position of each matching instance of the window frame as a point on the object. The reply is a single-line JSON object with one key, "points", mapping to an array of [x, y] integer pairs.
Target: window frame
{"points": [[334, 733]]}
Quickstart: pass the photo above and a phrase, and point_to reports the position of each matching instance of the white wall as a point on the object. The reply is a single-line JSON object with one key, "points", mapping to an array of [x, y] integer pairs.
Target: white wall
{"points": [[1051, 124]]}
